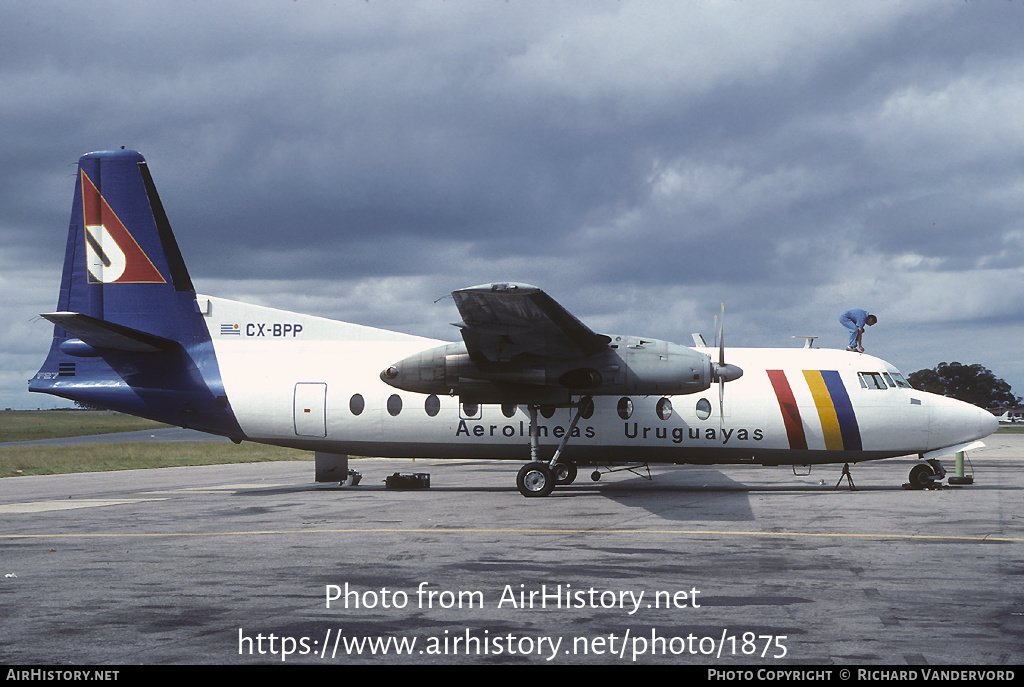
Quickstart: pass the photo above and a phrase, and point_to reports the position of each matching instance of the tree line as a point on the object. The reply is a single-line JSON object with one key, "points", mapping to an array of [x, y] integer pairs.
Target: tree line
{"points": [[974, 384]]}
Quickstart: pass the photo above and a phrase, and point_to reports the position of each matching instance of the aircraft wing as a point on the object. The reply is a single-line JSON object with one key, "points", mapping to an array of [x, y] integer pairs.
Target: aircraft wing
{"points": [[505, 320]]}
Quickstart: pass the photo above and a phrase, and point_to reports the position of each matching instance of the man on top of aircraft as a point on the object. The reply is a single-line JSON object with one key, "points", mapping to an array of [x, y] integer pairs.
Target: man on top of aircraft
{"points": [[855, 320]]}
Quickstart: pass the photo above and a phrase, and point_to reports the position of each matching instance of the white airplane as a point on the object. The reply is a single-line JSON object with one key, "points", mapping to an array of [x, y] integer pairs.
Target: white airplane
{"points": [[528, 381]]}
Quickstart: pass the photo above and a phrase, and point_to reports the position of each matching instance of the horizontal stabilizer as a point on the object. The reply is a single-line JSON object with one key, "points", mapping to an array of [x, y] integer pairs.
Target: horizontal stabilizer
{"points": [[101, 334]]}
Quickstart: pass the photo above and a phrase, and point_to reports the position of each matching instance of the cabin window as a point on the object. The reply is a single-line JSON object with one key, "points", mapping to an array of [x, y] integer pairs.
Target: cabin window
{"points": [[547, 411], [625, 408], [394, 405], [432, 405], [471, 411], [703, 409], [356, 404], [871, 380], [664, 409], [508, 409]]}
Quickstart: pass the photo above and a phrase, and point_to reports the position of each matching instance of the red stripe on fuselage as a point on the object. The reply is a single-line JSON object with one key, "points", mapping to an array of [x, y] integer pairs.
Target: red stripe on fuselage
{"points": [[790, 411]]}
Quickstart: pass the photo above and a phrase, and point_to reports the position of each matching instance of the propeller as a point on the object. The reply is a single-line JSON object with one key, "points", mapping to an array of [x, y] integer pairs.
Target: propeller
{"points": [[721, 371]]}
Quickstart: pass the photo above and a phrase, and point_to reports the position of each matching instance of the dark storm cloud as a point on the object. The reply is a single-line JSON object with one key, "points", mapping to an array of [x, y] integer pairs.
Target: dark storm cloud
{"points": [[642, 161]]}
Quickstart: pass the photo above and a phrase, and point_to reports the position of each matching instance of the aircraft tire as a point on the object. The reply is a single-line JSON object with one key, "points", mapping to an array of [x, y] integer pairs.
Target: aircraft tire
{"points": [[595, 475], [535, 479], [565, 473], [921, 476]]}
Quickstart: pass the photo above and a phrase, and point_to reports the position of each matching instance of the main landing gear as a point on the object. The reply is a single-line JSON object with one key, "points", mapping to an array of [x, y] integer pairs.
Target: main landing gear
{"points": [[539, 478], [565, 473]]}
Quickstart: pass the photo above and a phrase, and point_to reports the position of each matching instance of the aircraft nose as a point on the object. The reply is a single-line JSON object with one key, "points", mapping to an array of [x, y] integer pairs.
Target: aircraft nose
{"points": [[956, 422], [989, 422], [980, 420]]}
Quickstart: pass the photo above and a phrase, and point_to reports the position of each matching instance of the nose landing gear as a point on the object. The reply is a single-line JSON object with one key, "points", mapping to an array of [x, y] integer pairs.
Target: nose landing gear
{"points": [[926, 475]]}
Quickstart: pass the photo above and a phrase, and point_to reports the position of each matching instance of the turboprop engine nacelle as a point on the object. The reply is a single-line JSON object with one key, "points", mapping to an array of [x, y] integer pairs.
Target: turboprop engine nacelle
{"points": [[628, 366]]}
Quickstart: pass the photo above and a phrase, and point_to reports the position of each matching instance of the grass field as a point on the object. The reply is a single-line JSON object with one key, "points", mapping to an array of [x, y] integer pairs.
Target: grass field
{"points": [[59, 460], [26, 425]]}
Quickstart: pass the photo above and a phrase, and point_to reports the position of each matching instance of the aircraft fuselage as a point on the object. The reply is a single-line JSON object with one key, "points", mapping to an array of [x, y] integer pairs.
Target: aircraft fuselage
{"points": [[311, 383]]}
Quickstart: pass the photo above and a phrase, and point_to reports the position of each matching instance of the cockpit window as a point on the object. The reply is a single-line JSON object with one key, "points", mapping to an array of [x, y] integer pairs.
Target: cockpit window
{"points": [[900, 381], [871, 380]]}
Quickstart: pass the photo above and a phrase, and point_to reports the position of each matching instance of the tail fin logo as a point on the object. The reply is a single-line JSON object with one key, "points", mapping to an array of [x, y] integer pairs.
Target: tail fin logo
{"points": [[113, 256]]}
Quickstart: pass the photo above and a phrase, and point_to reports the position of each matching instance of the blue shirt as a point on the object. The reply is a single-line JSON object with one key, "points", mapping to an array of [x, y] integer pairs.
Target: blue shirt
{"points": [[857, 316]]}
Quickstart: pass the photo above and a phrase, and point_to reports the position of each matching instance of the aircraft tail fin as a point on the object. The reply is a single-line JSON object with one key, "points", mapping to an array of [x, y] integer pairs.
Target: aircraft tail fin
{"points": [[121, 252], [129, 333]]}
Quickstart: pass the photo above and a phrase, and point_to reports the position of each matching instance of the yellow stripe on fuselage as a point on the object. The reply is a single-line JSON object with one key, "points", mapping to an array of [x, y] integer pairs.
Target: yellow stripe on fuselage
{"points": [[826, 410]]}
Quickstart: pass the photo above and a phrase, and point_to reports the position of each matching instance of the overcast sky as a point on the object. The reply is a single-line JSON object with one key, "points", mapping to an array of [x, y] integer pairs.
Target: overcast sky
{"points": [[641, 161]]}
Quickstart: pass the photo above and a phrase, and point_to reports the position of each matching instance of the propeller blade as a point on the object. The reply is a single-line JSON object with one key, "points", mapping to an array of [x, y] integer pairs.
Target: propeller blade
{"points": [[721, 379], [721, 403], [721, 345], [723, 372]]}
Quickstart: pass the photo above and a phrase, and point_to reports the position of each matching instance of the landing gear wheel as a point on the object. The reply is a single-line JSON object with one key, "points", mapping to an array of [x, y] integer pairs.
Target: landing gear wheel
{"points": [[595, 475], [535, 479], [921, 476], [565, 473]]}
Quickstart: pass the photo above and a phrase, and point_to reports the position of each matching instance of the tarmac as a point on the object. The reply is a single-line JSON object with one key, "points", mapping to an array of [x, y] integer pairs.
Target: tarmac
{"points": [[723, 566]]}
